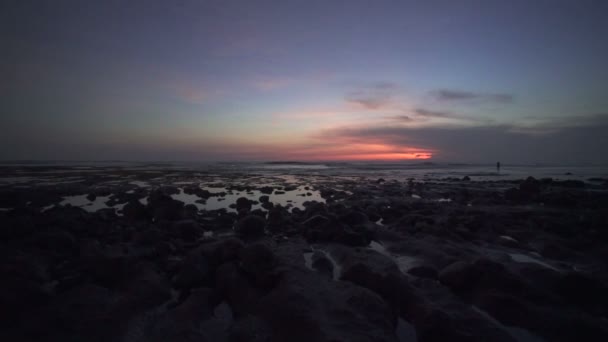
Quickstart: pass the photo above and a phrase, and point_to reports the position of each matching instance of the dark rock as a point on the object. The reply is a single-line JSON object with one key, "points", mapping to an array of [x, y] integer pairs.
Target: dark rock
{"points": [[322, 264], [188, 230], [194, 272], [349, 312], [424, 272], [316, 221], [243, 204], [57, 242], [584, 291], [266, 190], [91, 197], [259, 263], [222, 251], [264, 199], [134, 210], [354, 218], [251, 226], [530, 186], [163, 207], [466, 179], [458, 276], [192, 320], [242, 297]]}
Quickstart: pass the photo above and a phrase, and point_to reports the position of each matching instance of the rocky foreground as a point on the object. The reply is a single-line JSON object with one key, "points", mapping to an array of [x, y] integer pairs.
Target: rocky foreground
{"points": [[399, 260]]}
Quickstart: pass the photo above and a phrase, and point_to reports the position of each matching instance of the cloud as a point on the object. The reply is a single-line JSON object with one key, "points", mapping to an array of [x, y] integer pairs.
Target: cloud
{"points": [[489, 143], [400, 118], [432, 113], [373, 97], [459, 95]]}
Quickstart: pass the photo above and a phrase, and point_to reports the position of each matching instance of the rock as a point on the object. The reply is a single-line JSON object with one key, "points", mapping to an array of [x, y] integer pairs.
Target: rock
{"points": [[111, 271], [305, 307], [583, 291], [264, 199], [222, 251], [354, 218], [242, 297], [194, 272], [163, 207], [458, 276], [316, 221], [508, 309], [243, 204], [251, 226], [466, 179], [83, 313], [322, 264], [424, 272], [482, 275], [185, 322], [530, 187], [58, 242], [259, 263], [188, 230], [134, 210], [266, 190]]}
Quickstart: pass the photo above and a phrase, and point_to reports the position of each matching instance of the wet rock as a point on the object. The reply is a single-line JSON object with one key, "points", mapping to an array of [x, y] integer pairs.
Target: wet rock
{"points": [[251, 226], [264, 199]]}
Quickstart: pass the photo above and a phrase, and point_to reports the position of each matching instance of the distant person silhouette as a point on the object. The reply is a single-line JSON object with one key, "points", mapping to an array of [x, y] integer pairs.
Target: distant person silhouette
{"points": [[498, 167]]}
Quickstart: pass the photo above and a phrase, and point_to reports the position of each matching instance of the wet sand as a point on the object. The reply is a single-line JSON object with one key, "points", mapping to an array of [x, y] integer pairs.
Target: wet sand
{"points": [[136, 254]]}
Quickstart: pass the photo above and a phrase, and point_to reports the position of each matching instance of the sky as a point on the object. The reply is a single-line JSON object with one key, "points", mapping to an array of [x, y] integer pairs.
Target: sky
{"points": [[194, 80]]}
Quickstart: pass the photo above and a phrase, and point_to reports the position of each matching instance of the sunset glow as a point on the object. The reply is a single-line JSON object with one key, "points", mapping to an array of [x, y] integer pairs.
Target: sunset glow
{"points": [[392, 80]]}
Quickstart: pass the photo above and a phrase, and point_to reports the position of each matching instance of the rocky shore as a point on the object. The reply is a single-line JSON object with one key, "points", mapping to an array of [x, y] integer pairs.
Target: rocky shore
{"points": [[188, 256]]}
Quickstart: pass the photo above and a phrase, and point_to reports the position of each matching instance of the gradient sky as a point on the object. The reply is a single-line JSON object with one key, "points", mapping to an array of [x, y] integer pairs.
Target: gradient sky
{"points": [[462, 81]]}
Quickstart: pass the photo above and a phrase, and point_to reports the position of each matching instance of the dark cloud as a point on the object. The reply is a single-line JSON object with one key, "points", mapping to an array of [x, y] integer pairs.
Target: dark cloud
{"points": [[459, 95], [400, 118], [375, 96], [490, 143], [432, 113]]}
